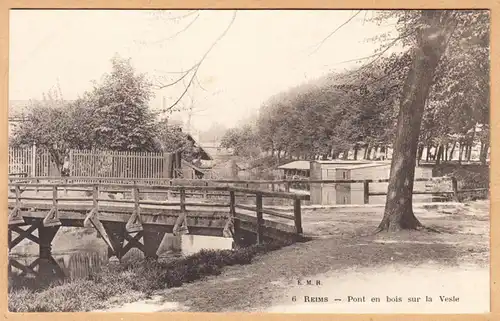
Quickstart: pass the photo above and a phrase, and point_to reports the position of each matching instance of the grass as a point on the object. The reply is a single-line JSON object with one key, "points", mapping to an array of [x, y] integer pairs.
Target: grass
{"points": [[349, 245], [133, 280]]}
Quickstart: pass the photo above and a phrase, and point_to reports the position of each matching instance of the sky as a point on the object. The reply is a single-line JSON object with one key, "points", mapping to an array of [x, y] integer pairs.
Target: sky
{"points": [[263, 53]]}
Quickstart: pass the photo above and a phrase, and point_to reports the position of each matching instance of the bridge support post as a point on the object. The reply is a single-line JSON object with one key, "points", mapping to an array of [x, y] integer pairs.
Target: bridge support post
{"points": [[47, 266], [242, 238], [9, 237], [260, 220], [45, 236], [152, 241], [116, 233], [173, 243]]}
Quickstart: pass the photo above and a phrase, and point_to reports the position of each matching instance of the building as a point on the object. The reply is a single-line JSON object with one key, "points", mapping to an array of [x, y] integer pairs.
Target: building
{"points": [[217, 152], [295, 170], [199, 167], [17, 113], [352, 193]]}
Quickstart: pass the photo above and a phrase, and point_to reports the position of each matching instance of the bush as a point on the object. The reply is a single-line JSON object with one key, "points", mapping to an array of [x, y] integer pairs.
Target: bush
{"points": [[139, 275], [468, 176]]}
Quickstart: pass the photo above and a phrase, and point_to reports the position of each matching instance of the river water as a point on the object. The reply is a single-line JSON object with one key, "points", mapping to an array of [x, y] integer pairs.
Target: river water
{"points": [[79, 263]]}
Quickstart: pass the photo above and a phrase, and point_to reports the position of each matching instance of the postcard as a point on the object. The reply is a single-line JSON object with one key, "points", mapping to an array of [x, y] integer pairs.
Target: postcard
{"points": [[277, 161]]}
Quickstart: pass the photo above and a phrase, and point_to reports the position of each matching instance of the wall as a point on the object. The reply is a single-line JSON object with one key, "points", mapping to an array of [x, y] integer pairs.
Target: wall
{"points": [[343, 191], [382, 172], [353, 193], [316, 190]]}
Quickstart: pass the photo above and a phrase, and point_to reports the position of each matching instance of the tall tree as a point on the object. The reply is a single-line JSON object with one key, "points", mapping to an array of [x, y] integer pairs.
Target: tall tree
{"points": [[114, 116], [120, 103], [48, 126], [432, 31]]}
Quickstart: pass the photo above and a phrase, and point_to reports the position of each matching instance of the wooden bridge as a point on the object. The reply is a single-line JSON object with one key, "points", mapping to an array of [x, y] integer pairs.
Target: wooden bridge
{"points": [[126, 211], [123, 214]]}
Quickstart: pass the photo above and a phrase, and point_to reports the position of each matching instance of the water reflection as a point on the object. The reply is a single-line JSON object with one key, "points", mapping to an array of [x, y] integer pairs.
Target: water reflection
{"points": [[80, 264], [74, 265], [194, 243]]}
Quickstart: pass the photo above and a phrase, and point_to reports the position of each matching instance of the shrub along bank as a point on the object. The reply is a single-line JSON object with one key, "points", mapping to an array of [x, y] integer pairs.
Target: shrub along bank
{"points": [[131, 281]]}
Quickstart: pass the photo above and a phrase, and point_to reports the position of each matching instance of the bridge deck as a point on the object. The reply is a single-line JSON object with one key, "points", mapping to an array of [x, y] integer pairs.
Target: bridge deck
{"points": [[201, 216], [74, 213]]}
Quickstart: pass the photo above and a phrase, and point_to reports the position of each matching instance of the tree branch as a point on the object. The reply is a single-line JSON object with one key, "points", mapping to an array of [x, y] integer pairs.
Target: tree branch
{"points": [[199, 84], [318, 46], [183, 16], [185, 73], [178, 32], [197, 65]]}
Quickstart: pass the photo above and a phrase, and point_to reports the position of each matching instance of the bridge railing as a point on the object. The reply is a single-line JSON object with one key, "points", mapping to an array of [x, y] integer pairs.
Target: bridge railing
{"points": [[269, 185], [94, 198]]}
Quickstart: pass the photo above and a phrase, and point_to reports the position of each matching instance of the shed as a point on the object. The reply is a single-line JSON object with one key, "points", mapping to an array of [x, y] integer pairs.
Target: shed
{"points": [[352, 193], [203, 154], [191, 171], [296, 168]]}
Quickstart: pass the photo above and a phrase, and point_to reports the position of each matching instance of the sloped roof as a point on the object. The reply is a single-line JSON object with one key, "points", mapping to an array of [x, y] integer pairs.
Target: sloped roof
{"points": [[204, 154], [196, 168], [18, 107], [374, 164], [301, 165], [354, 164]]}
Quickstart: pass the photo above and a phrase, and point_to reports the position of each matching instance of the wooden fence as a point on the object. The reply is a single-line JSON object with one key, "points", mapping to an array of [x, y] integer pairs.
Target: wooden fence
{"points": [[94, 202], [31, 162], [106, 164], [20, 161], [37, 162], [449, 193]]}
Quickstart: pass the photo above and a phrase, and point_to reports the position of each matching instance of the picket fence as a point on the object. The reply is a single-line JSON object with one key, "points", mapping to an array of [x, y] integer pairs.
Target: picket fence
{"points": [[31, 162], [91, 163], [86, 163]]}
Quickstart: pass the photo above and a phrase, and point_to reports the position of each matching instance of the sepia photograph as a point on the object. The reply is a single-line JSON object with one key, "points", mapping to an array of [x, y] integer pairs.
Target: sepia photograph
{"points": [[276, 161]]}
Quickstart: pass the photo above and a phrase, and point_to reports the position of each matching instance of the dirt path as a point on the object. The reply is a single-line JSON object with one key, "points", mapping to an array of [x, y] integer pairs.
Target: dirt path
{"points": [[360, 262], [420, 289]]}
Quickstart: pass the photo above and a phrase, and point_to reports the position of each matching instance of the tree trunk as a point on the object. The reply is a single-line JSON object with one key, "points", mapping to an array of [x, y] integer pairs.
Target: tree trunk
{"points": [[368, 151], [484, 152], [355, 152], [428, 153], [450, 156], [346, 154], [470, 144], [420, 152], [469, 152], [461, 153], [398, 213], [438, 154]]}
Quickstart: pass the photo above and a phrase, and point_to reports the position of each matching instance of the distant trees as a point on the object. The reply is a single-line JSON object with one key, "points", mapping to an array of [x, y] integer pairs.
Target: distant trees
{"points": [[326, 118], [114, 115], [440, 43], [242, 140], [51, 126], [434, 94], [121, 118], [358, 109], [213, 134]]}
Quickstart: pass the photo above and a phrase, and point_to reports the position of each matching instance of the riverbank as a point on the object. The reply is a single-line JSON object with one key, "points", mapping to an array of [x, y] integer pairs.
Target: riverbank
{"points": [[126, 282], [349, 260], [346, 257]]}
